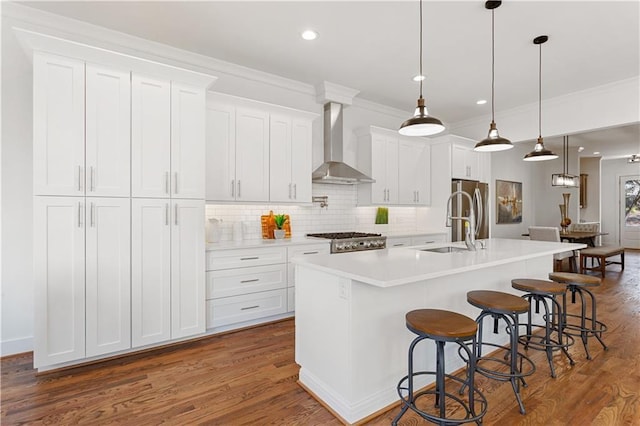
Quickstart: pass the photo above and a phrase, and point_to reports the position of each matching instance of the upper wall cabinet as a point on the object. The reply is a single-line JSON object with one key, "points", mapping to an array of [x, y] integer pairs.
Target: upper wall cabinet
{"points": [[465, 162], [257, 152], [400, 166], [150, 137], [58, 131]]}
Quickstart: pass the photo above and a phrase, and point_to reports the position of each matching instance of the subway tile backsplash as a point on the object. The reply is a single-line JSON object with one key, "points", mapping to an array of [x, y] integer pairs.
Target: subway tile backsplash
{"points": [[342, 214]]}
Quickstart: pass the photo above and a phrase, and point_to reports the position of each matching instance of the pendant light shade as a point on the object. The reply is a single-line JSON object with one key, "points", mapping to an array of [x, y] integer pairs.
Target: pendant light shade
{"points": [[421, 124], [564, 179], [493, 141], [540, 153]]}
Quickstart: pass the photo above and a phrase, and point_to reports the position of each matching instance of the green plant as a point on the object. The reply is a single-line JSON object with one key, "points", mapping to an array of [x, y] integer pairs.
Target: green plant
{"points": [[280, 219], [382, 215]]}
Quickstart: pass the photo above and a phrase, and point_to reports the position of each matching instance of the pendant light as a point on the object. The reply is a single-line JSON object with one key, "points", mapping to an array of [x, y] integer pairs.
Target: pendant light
{"points": [[493, 141], [421, 124], [540, 153], [564, 179]]}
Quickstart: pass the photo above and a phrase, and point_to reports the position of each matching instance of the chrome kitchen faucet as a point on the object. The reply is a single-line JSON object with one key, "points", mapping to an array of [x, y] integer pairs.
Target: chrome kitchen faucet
{"points": [[470, 229]]}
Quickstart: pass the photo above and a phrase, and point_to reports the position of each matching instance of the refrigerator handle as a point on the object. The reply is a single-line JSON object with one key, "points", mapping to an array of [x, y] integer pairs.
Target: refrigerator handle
{"points": [[477, 200]]}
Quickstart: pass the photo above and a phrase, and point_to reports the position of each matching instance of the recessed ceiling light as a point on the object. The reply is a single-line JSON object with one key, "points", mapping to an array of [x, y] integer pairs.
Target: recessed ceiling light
{"points": [[596, 153], [309, 35], [580, 148], [418, 78], [481, 102]]}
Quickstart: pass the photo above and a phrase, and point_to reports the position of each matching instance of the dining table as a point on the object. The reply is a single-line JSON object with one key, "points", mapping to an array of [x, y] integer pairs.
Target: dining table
{"points": [[588, 238]]}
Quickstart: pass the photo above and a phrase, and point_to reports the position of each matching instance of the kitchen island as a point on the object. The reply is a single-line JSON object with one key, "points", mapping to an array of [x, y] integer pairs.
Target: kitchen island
{"points": [[351, 338]]}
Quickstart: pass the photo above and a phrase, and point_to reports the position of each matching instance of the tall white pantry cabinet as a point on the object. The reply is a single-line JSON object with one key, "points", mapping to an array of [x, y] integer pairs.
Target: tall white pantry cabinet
{"points": [[118, 209]]}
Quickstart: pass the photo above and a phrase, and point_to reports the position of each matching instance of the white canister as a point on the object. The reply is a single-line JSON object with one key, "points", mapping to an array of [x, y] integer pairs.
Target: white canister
{"points": [[237, 231]]}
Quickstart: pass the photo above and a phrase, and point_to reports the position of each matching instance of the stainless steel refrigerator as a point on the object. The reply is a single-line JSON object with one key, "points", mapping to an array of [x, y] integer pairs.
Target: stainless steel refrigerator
{"points": [[479, 192]]}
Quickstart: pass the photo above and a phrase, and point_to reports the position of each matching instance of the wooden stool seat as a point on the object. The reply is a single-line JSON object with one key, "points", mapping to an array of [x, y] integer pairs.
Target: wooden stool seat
{"points": [[538, 286], [497, 301], [601, 253], [575, 279], [439, 323]]}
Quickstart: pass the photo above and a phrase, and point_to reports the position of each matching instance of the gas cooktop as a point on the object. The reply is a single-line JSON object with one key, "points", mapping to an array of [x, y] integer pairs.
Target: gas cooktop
{"points": [[343, 242]]}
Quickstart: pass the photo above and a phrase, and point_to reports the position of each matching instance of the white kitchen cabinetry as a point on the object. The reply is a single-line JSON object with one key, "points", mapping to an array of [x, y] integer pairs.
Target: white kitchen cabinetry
{"points": [[393, 242], [108, 275], [187, 268], [465, 163], [420, 240], [150, 137], [150, 271], [187, 141], [59, 273], [414, 182], [108, 132], [290, 159], [245, 285], [167, 291], [302, 250], [400, 166]]}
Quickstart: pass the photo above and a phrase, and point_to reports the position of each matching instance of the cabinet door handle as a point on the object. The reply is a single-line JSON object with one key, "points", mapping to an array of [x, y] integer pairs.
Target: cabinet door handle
{"points": [[295, 191], [79, 214], [398, 245], [249, 307], [310, 252], [289, 190], [418, 196], [166, 182], [250, 281], [175, 189], [239, 196], [176, 213], [93, 220], [250, 258], [233, 188], [79, 178], [166, 214], [91, 185]]}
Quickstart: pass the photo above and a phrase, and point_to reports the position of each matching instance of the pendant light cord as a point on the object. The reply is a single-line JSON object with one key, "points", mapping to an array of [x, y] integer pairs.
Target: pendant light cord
{"points": [[493, 61], [540, 93], [421, 75]]}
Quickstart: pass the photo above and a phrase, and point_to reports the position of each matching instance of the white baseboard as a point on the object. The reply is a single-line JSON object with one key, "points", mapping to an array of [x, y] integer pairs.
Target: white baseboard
{"points": [[16, 346]]}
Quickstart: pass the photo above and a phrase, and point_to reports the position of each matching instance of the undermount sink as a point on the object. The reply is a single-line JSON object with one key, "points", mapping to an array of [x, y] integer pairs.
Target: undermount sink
{"points": [[447, 249]]}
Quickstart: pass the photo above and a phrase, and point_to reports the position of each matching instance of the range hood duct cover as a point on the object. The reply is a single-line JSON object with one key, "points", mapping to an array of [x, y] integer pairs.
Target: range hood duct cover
{"points": [[334, 170]]}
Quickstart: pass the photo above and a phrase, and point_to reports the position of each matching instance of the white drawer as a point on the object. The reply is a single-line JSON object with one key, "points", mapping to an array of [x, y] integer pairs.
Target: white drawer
{"points": [[305, 250], [231, 310], [420, 240], [234, 282], [398, 242], [227, 259], [291, 299]]}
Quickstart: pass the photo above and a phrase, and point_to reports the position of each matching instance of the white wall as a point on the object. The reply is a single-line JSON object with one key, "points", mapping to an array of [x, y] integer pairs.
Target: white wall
{"points": [[591, 167], [610, 195]]}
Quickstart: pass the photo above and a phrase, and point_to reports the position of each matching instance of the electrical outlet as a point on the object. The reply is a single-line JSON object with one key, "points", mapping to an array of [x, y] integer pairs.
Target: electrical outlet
{"points": [[342, 290]]}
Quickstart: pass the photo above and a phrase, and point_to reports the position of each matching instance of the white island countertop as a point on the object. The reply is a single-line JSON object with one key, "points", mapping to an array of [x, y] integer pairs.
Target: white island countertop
{"points": [[398, 266]]}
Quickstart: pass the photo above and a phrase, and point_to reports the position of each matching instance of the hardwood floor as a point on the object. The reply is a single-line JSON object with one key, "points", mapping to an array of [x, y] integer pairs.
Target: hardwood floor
{"points": [[249, 377]]}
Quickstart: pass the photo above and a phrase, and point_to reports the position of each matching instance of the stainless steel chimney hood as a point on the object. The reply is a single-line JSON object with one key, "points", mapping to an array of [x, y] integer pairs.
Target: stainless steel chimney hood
{"points": [[333, 170]]}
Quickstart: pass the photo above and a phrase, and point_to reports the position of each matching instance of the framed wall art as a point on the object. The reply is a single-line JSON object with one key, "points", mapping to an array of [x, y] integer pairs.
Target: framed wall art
{"points": [[509, 202]]}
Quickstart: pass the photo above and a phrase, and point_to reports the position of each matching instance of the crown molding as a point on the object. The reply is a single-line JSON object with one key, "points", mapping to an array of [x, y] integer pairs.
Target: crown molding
{"points": [[332, 92]]}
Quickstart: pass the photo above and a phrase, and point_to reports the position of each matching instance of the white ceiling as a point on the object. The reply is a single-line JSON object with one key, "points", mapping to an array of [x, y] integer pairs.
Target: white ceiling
{"points": [[372, 46]]}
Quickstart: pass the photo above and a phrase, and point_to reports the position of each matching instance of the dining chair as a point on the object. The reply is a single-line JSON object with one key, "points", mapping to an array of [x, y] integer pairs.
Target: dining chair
{"points": [[587, 227], [550, 233]]}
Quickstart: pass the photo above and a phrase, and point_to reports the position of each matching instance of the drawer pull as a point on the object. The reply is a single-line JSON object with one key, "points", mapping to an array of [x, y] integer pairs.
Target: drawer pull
{"points": [[250, 258], [398, 245], [249, 307], [250, 281], [310, 252], [429, 242]]}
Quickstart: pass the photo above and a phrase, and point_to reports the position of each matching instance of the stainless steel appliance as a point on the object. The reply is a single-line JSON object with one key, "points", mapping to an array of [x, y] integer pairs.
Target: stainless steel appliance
{"points": [[479, 193], [343, 242]]}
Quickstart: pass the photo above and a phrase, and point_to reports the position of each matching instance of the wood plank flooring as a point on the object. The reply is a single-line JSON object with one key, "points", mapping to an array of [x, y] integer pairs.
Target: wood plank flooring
{"points": [[249, 377]]}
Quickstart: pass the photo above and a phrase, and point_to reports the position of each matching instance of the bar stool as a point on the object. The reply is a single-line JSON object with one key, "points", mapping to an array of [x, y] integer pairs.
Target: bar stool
{"points": [[506, 307], [578, 283], [545, 292], [441, 326]]}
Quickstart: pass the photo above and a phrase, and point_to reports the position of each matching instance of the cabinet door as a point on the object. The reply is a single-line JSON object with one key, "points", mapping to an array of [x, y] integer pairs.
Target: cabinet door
{"points": [[414, 176], [58, 125], [252, 155], [187, 141], [301, 138], [280, 181], [381, 148], [59, 332], [150, 137], [108, 272], [459, 167], [108, 137], [187, 269], [150, 271], [221, 153]]}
